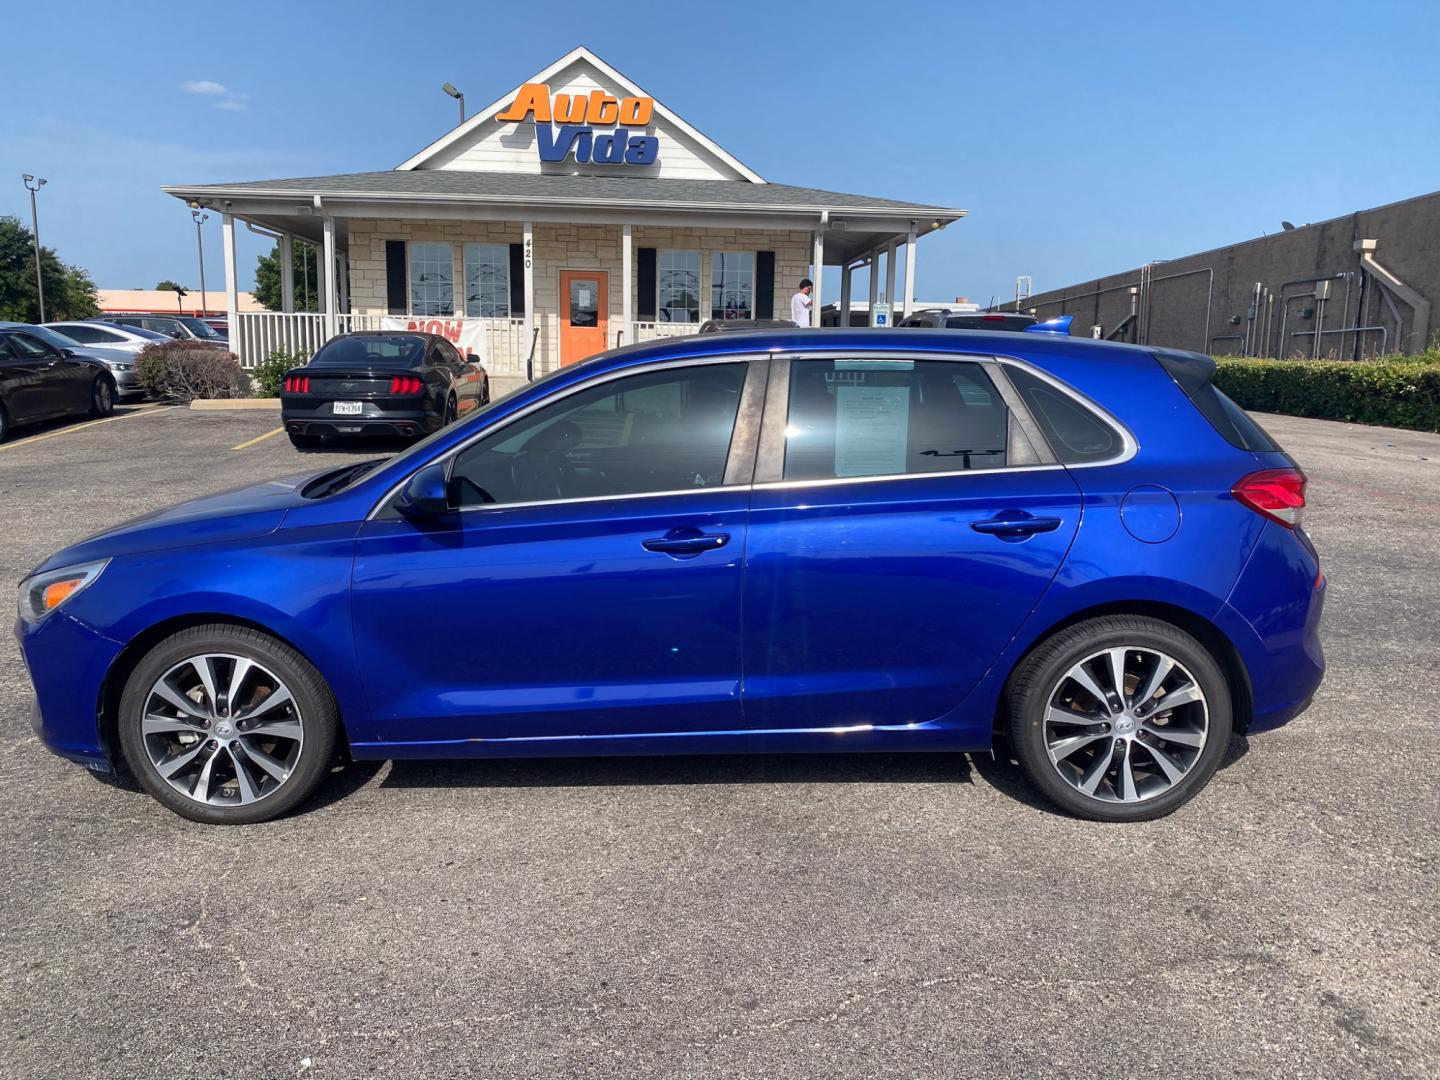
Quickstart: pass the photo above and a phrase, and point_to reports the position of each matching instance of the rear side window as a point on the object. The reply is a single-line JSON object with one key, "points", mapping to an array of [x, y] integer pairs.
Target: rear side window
{"points": [[1076, 434], [1193, 374], [893, 418]]}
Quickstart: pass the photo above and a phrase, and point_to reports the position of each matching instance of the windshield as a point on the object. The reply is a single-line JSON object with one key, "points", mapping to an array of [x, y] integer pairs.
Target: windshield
{"points": [[199, 327], [371, 350]]}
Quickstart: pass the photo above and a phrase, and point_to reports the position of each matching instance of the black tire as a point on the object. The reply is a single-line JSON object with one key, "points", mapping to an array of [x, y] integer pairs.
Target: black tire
{"points": [[102, 396], [316, 712], [1039, 676], [304, 442], [4, 424], [452, 409]]}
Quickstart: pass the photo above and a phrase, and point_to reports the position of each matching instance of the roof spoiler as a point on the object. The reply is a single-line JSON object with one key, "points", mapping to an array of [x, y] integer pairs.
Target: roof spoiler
{"points": [[1058, 325]]}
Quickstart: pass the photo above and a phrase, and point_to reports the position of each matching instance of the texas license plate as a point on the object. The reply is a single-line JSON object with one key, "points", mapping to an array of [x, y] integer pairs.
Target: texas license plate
{"points": [[346, 408]]}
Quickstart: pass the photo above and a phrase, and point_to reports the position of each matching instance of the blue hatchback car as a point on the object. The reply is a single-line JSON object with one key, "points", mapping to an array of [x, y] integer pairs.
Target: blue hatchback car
{"points": [[1076, 553]]}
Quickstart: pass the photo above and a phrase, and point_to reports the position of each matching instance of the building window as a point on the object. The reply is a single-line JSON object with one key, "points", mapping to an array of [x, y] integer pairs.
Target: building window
{"points": [[732, 285], [432, 279], [487, 281], [679, 287]]}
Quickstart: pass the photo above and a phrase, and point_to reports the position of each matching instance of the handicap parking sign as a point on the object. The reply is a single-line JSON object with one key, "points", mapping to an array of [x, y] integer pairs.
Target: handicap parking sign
{"points": [[880, 315]]}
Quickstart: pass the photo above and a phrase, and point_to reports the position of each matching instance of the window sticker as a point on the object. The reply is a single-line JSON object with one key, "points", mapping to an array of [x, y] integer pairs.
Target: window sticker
{"points": [[872, 425]]}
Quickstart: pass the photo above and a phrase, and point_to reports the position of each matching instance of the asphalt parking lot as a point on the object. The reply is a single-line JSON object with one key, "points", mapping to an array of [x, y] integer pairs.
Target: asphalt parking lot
{"points": [[742, 917]]}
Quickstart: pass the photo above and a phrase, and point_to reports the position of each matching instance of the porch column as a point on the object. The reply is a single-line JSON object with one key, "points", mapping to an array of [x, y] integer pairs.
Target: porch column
{"points": [[344, 274], [232, 298], [819, 260], [891, 249], [287, 273], [529, 264], [909, 271], [330, 292], [845, 295], [874, 284], [627, 284]]}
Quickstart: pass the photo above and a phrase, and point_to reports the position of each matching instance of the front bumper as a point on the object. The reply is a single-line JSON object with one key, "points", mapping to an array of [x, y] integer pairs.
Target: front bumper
{"points": [[127, 383], [68, 663], [376, 418]]}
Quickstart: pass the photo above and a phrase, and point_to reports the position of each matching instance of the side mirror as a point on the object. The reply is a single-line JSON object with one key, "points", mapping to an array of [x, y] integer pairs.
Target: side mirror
{"points": [[67, 352], [426, 494]]}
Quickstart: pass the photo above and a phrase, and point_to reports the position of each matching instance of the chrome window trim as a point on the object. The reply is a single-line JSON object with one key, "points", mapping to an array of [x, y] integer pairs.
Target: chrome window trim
{"points": [[383, 503]]}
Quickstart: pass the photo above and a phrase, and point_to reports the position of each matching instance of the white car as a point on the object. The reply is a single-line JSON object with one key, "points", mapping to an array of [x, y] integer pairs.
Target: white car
{"points": [[115, 346]]}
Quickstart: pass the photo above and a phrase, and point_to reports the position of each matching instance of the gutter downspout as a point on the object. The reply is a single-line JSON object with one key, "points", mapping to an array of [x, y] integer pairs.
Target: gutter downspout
{"points": [[1420, 332]]}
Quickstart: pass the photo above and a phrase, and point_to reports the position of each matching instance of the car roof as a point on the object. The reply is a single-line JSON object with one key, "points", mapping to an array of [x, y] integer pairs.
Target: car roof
{"points": [[858, 339]]}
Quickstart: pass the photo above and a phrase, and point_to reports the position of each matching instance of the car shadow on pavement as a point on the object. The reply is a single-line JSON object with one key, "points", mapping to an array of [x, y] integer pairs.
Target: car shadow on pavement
{"points": [[684, 769], [365, 448]]}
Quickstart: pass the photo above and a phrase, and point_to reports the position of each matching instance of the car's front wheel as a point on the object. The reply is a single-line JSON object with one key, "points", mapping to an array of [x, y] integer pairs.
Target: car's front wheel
{"points": [[226, 725], [1119, 718], [102, 396]]}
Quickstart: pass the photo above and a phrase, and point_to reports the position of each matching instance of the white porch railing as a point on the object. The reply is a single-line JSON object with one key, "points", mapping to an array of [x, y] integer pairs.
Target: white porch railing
{"points": [[502, 344], [654, 331]]}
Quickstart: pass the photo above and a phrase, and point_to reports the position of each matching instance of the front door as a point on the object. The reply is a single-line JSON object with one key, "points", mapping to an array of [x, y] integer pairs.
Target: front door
{"points": [[584, 323], [587, 584], [912, 529]]}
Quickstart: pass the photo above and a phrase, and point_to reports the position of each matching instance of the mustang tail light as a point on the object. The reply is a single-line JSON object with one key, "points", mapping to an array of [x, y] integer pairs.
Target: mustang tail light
{"points": [[297, 384], [406, 384], [1278, 494]]}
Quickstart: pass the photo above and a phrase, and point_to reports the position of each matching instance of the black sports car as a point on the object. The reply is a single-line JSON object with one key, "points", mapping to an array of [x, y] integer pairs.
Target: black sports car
{"points": [[42, 377], [380, 383]]}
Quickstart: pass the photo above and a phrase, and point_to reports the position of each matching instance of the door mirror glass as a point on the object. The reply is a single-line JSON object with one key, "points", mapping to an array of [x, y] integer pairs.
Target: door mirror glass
{"points": [[425, 494]]}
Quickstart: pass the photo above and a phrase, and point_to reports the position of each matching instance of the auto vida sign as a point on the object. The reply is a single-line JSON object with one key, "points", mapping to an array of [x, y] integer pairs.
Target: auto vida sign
{"points": [[575, 125]]}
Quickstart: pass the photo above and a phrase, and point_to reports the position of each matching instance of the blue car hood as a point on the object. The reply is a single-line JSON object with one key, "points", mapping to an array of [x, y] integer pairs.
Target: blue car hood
{"points": [[240, 514]]}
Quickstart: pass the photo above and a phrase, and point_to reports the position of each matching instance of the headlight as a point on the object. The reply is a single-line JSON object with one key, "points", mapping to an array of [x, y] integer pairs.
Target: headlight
{"points": [[116, 365], [43, 593]]}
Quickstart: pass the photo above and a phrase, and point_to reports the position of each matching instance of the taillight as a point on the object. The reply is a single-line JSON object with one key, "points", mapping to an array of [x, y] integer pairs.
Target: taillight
{"points": [[297, 384], [1278, 494], [406, 384]]}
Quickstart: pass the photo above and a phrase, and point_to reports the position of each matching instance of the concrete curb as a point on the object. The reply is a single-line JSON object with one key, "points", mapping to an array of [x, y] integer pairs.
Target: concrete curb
{"points": [[224, 404]]}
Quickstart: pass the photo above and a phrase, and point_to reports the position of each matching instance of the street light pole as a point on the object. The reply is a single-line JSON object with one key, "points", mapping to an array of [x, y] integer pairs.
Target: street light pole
{"points": [[35, 234], [200, 245], [458, 96]]}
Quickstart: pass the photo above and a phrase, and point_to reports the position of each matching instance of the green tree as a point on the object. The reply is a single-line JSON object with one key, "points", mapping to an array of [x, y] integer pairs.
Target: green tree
{"points": [[69, 291], [170, 286], [267, 279]]}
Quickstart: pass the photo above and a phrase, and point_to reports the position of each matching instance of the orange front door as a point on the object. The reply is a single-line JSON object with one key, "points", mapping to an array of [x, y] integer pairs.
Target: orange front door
{"points": [[583, 321]]}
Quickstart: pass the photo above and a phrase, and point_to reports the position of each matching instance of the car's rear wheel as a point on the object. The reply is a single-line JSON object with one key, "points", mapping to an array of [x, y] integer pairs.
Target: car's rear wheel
{"points": [[452, 408], [102, 396], [226, 725], [1119, 718]]}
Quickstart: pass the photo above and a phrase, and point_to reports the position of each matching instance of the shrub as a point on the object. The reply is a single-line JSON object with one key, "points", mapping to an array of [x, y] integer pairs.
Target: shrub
{"points": [[267, 374], [1393, 391], [182, 371]]}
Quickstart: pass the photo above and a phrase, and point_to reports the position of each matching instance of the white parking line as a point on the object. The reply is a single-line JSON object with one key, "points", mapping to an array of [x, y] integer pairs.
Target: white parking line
{"points": [[144, 410]]}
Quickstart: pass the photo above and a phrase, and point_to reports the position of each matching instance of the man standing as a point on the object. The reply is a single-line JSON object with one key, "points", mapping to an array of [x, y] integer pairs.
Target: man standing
{"points": [[801, 302]]}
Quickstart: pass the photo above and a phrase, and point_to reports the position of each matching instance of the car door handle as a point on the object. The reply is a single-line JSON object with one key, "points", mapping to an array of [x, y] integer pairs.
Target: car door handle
{"points": [[1021, 524], [686, 543]]}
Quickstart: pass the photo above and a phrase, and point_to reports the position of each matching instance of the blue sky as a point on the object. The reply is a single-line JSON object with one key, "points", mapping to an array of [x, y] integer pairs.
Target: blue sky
{"points": [[1083, 139]]}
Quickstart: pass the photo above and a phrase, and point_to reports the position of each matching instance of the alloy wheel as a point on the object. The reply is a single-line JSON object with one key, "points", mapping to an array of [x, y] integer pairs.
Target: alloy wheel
{"points": [[103, 401], [222, 730], [1125, 724]]}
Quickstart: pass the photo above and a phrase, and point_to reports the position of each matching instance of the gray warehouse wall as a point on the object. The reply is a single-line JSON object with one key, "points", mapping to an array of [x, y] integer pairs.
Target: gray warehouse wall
{"points": [[1208, 302]]}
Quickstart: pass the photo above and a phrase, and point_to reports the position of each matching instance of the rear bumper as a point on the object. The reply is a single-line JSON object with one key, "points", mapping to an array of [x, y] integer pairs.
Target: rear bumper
{"points": [[1273, 618], [381, 419]]}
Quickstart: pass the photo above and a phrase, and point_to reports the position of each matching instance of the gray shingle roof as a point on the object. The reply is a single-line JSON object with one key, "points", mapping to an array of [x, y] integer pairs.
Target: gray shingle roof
{"points": [[555, 188]]}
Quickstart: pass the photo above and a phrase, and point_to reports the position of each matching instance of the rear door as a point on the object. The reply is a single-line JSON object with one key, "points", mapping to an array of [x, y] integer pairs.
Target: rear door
{"points": [[906, 518]]}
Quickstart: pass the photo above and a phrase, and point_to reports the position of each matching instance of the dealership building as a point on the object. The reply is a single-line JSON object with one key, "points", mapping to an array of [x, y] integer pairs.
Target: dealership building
{"points": [[573, 214]]}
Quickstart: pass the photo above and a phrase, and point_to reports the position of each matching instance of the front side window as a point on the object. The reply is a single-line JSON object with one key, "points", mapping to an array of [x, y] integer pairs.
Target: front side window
{"points": [[732, 285], [654, 431], [168, 327], [487, 281], [27, 346], [90, 335], [679, 286], [432, 279], [851, 418]]}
